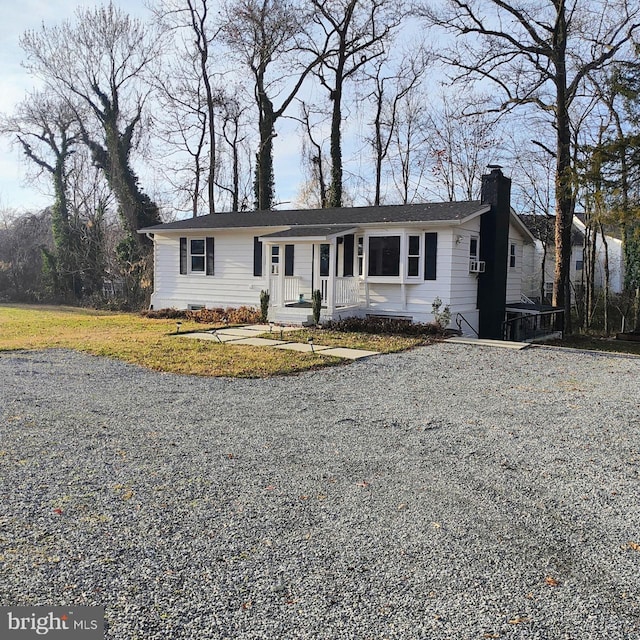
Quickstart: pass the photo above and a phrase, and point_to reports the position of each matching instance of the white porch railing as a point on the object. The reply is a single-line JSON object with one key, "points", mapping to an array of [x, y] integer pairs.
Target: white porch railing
{"points": [[290, 292], [346, 292]]}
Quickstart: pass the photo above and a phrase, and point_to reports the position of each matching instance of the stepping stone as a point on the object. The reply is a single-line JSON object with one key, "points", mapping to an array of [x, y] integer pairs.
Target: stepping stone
{"points": [[210, 336], [241, 332], [299, 346], [350, 354], [259, 342]]}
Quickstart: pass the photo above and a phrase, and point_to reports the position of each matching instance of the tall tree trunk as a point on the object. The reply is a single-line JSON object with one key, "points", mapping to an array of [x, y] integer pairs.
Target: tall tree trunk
{"points": [[264, 157], [335, 149], [563, 192], [607, 279]]}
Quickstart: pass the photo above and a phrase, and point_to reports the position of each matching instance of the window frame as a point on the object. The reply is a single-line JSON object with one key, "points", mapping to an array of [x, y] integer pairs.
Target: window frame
{"points": [[416, 257], [393, 277], [474, 239], [274, 260], [187, 256], [191, 255], [360, 255], [512, 255]]}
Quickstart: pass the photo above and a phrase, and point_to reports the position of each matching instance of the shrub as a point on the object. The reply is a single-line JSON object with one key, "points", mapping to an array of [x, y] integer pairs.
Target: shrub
{"points": [[264, 305], [385, 326], [442, 317], [316, 304], [162, 314], [241, 315]]}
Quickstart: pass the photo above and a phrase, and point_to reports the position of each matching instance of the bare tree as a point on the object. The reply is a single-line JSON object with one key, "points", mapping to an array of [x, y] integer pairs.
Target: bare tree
{"points": [[233, 144], [539, 55], [270, 38], [390, 88], [190, 93], [409, 159], [314, 191], [97, 63], [22, 240], [461, 145], [357, 32], [46, 129]]}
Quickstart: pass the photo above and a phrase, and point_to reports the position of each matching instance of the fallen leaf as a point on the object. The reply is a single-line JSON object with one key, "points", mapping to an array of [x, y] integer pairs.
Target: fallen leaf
{"points": [[519, 620], [58, 512], [270, 487], [362, 483], [633, 545], [552, 582], [247, 605]]}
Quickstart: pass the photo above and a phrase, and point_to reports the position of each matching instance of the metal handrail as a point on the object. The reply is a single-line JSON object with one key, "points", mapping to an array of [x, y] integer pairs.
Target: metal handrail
{"points": [[459, 319], [532, 325]]}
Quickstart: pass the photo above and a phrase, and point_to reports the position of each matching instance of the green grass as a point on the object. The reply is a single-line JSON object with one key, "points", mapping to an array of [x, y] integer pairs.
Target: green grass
{"points": [[153, 343]]}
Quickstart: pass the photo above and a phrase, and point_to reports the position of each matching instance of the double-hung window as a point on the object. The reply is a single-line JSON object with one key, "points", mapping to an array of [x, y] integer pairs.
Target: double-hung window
{"points": [[197, 256], [413, 256], [512, 255]]}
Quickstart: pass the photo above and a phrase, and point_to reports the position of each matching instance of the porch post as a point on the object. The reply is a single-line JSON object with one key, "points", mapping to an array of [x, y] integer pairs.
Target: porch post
{"points": [[331, 283], [281, 274]]}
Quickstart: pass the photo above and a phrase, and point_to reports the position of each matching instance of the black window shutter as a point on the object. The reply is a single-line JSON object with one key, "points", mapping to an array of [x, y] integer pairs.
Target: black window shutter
{"points": [[288, 259], [257, 257], [209, 256], [349, 243], [430, 255], [183, 255]]}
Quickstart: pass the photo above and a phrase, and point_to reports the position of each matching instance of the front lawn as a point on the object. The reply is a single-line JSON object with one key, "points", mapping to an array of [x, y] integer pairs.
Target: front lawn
{"points": [[153, 343]]}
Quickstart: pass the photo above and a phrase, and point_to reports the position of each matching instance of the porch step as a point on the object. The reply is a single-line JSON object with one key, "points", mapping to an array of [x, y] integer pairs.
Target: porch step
{"points": [[483, 342]]}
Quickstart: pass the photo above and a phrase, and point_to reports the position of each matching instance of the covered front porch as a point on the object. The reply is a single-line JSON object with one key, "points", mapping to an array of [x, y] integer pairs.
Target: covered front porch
{"points": [[302, 260]]}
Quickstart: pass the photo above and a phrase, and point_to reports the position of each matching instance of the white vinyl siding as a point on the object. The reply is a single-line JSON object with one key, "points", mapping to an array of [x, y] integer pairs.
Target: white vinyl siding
{"points": [[463, 295], [233, 285], [514, 274]]}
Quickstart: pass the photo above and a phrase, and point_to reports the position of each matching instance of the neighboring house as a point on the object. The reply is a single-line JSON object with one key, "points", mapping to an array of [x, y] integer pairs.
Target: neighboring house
{"points": [[380, 261], [539, 258]]}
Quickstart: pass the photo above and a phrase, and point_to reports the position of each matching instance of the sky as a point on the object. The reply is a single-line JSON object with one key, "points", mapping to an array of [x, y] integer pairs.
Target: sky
{"points": [[18, 17]]}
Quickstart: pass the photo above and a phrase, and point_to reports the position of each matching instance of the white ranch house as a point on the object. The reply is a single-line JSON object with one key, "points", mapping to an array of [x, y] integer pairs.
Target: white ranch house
{"points": [[380, 261]]}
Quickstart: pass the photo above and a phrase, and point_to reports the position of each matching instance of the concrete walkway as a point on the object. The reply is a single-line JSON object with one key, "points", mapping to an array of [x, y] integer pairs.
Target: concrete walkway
{"points": [[249, 335]]}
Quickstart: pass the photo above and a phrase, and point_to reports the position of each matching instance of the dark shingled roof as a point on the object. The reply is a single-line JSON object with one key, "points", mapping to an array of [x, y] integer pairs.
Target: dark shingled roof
{"points": [[348, 216], [302, 231]]}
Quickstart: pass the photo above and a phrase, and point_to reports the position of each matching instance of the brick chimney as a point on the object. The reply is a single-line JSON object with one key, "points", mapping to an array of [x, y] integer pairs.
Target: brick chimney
{"points": [[494, 250]]}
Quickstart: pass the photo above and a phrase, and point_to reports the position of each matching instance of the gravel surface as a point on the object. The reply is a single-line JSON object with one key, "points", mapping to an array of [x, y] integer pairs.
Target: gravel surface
{"points": [[452, 491]]}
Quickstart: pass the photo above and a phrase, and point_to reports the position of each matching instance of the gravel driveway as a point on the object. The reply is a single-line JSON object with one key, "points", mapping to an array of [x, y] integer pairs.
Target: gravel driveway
{"points": [[447, 492]]}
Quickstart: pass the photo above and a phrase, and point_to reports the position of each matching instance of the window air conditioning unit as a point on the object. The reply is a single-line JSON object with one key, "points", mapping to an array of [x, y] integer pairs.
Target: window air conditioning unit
{"points": [[476, 266]]}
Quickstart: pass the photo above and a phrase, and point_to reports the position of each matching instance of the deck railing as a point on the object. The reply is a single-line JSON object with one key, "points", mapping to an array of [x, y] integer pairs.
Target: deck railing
{"points": [[533, 325]]}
